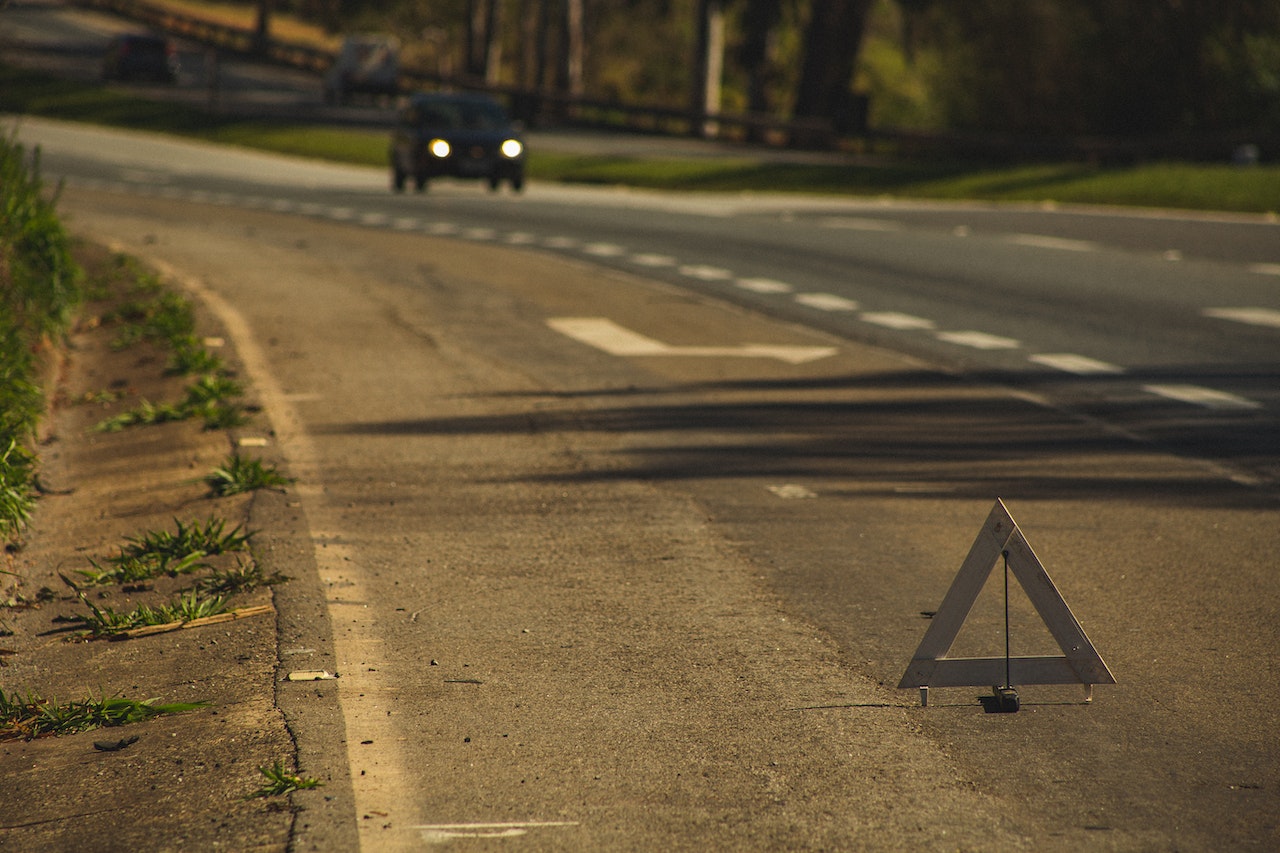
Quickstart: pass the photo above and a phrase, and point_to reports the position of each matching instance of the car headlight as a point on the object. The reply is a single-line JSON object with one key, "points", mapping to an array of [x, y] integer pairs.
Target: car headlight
{"points": [[439, 148], [512, 148]]}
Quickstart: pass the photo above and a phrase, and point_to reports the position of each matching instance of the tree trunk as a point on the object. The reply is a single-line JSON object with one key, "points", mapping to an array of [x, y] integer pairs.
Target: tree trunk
{"points": [[832, 40], [574, 48]]}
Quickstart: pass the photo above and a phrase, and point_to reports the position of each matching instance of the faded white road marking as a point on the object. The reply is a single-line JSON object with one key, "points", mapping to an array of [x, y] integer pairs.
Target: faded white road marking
{"points": [[648, 260], [521, 238], [1200, 396], [1252, 316], [1077, 364], [1265, 269], [375, 219], [895, 320], [480, 234], [406, 223], [792, 491], [604, 250], [826, 302], [442, 228], [561, 243], [764, 285], [853, 223], [978, 340], [1043, 242], [703, 272], [443, 833], [606, 335]]}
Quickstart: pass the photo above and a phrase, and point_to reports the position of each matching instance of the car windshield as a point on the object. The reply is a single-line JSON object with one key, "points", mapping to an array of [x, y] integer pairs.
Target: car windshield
{"points": [[462, 115]]}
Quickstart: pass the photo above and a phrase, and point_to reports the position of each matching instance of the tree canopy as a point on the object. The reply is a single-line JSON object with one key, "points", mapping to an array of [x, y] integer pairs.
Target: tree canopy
{"points": [[1136, 68]]}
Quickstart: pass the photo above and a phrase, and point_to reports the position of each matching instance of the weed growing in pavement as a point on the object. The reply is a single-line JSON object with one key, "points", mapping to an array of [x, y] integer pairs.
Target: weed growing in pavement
{"points": [[107, 622], [165, 318], [146, 414], [241, 578], [191, 358], [166, 552], [132, 569], [209, 397], [280, 781], [241, 474], [32, 716]]}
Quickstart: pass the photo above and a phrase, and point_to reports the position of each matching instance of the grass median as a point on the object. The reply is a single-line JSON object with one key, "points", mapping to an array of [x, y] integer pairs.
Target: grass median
{"points": [[1193, 186]]}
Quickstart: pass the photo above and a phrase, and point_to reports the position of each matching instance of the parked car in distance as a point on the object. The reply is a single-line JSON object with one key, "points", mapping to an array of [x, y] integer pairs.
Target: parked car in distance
{"points": [[140, 56], [366, 65], [458, 136]]}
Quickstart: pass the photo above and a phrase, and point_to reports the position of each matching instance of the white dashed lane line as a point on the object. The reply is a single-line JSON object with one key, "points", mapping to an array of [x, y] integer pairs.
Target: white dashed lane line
{"points": [[1078, 364], [978, 340], [604, 250], [826, 302], [896, 320], [764, 285], [1197, 395], [653, 261], [1041, 241], [1251, 316], [851, 223]]}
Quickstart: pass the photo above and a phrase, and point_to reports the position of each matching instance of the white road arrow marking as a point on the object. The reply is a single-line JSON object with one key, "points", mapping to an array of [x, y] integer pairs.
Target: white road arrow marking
{"points": [[606, 335]]}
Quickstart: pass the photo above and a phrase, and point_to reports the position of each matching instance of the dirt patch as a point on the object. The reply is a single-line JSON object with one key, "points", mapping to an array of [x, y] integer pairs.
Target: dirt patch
{"points": [[185, 783]]}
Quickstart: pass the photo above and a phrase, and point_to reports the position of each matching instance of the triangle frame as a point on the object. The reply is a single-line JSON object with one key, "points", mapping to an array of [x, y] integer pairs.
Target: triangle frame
{"points": [[1080, 662]]}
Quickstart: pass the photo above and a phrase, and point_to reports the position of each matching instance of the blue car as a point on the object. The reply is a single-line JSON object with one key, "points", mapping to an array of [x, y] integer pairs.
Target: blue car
{"points": [[456, 136]]}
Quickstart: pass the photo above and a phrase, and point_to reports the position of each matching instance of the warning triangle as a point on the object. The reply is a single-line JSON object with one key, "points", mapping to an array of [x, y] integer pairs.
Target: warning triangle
{"points": [[1080, 662]]}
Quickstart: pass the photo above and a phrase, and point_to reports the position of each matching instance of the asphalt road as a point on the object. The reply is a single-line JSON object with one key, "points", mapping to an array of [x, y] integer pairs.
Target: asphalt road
{"points": [[611, 528]]}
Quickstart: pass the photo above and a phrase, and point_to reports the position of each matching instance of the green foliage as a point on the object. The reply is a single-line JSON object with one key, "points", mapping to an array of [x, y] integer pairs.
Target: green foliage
{"points": [[243, 577], [168, 553], [280, 781], [209, 397], [42, 280], [107, 622], [39, 289], [146, 414], [191, 358], [17, 494], [31, 716], [240, 474]]}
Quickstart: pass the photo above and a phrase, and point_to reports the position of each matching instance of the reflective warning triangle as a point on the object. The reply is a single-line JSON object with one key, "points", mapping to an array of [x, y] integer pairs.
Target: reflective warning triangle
{"points": [[1080, 663]]}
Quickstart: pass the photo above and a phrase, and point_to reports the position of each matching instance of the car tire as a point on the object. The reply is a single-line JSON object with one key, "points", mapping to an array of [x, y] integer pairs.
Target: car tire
{"points": [[397, 179], [420, 183], [517, 184]]}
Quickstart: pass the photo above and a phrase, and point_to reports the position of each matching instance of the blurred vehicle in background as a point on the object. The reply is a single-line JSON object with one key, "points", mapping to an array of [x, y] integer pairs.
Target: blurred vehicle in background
{"points": [[140, 56], [455, 135], [366, 65]]}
